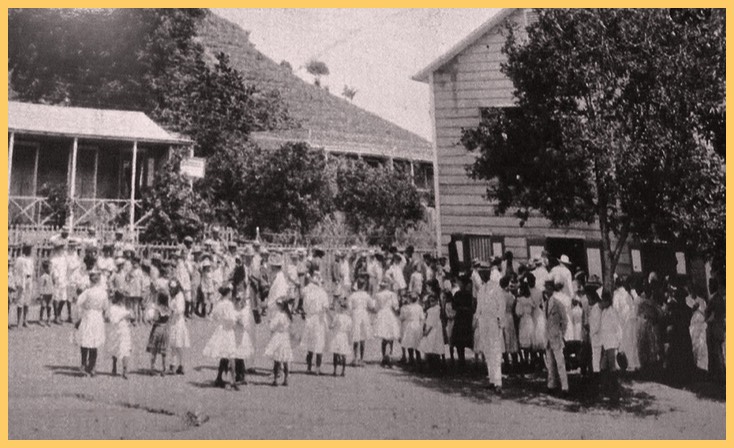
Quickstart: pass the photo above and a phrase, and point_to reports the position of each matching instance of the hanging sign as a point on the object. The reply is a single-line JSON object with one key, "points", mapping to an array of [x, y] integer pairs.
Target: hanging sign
{"points": [[193, 167]]}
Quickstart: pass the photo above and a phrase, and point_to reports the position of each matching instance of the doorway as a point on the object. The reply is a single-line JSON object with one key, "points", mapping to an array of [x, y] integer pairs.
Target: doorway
{"points": [[574, 248]]}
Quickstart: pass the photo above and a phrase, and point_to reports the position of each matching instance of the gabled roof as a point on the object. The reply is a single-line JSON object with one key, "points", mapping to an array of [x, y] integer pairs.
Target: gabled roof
{"points": [[321, 118], [104, 124], [422, 76]]}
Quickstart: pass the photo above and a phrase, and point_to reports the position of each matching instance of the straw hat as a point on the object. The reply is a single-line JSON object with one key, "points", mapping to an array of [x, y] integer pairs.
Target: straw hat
{"points": [[565, 260], [276, 259]]}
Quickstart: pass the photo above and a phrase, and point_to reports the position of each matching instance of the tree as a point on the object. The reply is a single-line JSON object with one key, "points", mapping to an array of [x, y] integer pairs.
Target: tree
{"points": [[288, 189], [377, 201], [174, 209], [137, 59], [619, 113], [349, 92], [317, 69]]}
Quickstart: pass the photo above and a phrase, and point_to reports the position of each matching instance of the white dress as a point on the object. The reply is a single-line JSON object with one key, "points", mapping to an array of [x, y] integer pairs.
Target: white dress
{"points": [[526, 330], [342, 327], [279, 346], [119, 342], [387, 325], [245, 320], [357, 304], [539, 340], [432, 342], [315, 305], [179, 331], [698, 335], [412, 332], [91, 304], [222, 344]]}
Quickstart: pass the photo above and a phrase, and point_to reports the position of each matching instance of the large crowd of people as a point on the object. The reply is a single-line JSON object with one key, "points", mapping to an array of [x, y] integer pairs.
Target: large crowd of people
{"points": [[515, 318]]}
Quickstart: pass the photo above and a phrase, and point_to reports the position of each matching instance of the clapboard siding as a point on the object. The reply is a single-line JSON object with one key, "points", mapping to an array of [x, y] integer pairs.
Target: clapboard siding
{"points": [[468, 82]]}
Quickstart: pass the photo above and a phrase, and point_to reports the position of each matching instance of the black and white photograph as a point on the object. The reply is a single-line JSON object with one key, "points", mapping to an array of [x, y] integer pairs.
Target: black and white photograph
{"points": [[350, 224]]}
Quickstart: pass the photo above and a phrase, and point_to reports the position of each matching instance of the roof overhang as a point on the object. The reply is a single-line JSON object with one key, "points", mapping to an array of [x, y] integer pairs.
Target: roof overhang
{"points": [[157, 141], [424, 74]]}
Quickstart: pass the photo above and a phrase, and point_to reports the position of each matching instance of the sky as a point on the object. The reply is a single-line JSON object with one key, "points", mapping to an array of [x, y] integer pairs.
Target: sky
{"points": [[375, 51]]}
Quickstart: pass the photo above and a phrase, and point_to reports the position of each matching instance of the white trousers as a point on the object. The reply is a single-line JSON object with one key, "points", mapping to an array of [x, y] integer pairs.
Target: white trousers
{"points": [[556, 365]]}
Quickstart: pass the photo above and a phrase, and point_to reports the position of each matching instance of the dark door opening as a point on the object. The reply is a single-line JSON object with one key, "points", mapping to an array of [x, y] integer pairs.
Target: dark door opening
{"points": [[574, 248], [659, 258]]}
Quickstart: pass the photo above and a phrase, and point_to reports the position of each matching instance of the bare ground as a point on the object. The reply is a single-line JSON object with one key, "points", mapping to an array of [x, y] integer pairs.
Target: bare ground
{"points": [[49, 399]]}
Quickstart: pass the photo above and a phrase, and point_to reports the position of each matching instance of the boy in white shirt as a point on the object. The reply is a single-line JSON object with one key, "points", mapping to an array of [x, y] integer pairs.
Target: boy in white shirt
{"points": [[610, 334]]}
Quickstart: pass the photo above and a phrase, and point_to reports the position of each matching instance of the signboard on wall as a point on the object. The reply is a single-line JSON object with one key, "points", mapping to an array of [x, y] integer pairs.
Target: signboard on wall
{"points": [[193, 167]]}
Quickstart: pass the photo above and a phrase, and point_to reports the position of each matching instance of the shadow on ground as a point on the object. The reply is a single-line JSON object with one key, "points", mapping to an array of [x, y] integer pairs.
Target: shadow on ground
{"points": [[531, 389]]}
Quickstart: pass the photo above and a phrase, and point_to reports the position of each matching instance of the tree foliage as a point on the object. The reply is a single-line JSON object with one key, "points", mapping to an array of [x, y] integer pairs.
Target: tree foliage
{"points": [[377, 201], [317, 69], [174, 209], [619, 120], [137, 59]]}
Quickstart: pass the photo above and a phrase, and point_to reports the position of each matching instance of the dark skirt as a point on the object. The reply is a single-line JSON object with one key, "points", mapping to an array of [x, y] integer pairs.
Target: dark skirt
{"points": [[463, 333], [158, 339]]}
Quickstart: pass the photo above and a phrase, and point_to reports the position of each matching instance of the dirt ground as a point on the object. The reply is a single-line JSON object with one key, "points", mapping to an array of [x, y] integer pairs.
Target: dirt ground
{"points": [[49, 399]]}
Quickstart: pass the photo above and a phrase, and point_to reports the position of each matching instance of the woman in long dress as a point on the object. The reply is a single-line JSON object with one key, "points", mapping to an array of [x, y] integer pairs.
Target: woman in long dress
{"points": [[387, 325], [698, 331], [179, 332], [539, 339], [462, 336], [649, 316], [359, 303], [91, 332]]}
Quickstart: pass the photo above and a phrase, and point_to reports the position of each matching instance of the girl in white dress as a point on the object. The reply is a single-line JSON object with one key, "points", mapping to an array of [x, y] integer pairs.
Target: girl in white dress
{"points": [[222, 345], [90, 334], [539, 340], [387, 325], [431, 344], [119, 345], [179, 332], [358, 303], [246, 346], [526, 327], [315, 307], [341, 326], [412, 317], [279, 347]]}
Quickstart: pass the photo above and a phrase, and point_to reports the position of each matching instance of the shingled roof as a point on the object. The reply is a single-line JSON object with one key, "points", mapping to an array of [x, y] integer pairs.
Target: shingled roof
{"points": [[104, 124], [322, 119]]}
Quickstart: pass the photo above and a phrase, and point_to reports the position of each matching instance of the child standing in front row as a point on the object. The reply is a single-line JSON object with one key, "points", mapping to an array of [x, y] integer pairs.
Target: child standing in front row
{"points": [[279, 347], [119, 344], [46, 291], [158, 340], [342, 327]]}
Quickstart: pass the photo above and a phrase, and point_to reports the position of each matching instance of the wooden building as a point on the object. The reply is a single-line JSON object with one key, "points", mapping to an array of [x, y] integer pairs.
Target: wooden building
{"points": [[104, 158], [463, 82]]}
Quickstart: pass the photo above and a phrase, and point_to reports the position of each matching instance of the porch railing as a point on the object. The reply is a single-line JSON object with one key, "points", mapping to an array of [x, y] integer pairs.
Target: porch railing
{"points": [[35, 210]]}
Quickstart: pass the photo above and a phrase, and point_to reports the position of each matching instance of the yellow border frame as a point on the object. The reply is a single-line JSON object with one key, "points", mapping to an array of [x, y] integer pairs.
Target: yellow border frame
{"points": [[336, 4]]}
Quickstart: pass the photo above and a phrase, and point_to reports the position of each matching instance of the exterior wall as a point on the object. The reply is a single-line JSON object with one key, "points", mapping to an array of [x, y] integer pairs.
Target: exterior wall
{"points": [[460, 89], [468, 225]]}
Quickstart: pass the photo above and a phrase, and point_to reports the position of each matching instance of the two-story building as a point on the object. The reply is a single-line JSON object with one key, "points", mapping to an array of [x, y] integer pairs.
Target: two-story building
{"points": [[463, 82]]}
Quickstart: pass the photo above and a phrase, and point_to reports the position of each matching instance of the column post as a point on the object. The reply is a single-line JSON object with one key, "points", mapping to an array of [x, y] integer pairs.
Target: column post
{"points": [[72, 186], [132, 187]]}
